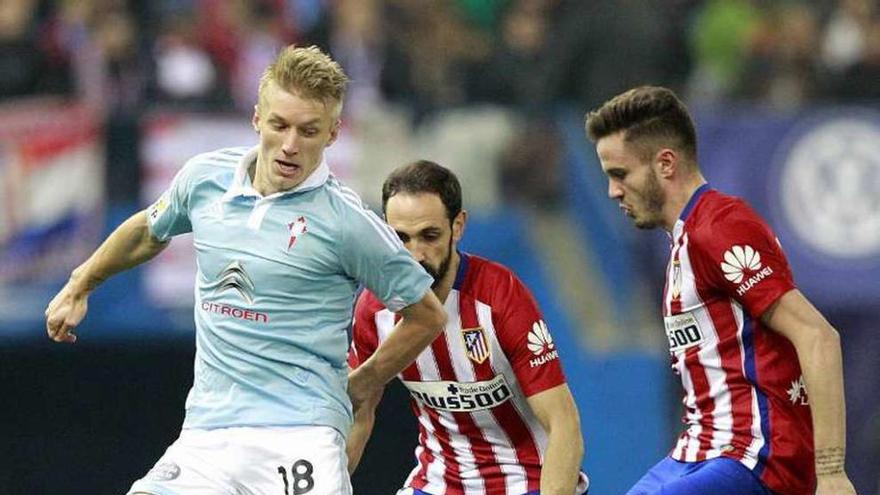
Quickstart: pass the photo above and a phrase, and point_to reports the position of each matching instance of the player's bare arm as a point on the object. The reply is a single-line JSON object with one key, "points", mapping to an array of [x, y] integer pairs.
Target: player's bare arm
{"points": [[420, 324], [129, 245], [818, 348], [558, 415], [361, 430]]}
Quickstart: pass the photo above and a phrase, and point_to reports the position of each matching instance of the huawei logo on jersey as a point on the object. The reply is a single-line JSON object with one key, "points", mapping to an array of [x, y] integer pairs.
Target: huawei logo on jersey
{"points": [[737, 260], [741, 259], [541, 344]]}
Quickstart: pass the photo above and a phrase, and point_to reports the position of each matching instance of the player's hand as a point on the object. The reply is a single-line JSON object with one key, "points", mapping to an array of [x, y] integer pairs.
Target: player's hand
{"points": [[65, 311], [363, 389], [834, 484]]}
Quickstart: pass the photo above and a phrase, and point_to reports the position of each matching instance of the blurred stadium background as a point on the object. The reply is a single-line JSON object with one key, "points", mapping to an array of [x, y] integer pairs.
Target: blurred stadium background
{"points": [[102, 100]]}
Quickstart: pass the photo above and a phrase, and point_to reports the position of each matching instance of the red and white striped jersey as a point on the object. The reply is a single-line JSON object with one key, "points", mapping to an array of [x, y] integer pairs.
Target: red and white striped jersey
{"points": [[744, 393], [477, 433]]}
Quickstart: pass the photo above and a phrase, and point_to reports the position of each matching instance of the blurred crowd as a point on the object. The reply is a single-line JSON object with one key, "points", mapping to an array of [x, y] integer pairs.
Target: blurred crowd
{"points": [[125, 56], [430, 54]]}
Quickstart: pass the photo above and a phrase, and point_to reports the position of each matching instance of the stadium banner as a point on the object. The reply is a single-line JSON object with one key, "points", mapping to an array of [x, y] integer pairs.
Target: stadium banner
{"points": [[815, 177], [51, 198]]}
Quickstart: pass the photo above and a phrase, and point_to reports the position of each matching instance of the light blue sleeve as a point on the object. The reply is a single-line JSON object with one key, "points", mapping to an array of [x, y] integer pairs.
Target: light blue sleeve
{"points": [[373, 255], [169, 215]]}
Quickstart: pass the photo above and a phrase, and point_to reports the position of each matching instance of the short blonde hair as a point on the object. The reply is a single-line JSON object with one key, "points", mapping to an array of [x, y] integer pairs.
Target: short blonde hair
{"points": [[308, 72]]}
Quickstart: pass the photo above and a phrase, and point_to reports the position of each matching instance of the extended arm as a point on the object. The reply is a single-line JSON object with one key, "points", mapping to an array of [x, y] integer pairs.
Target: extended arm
{"points": [[364, 419], [558, 415], [818, 348], [420, 324], [129, 245]]}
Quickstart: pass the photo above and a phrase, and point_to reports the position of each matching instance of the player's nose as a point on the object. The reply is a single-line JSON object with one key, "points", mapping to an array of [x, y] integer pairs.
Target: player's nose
{"points": [[418, 253], [614, 191], [290, 145]]}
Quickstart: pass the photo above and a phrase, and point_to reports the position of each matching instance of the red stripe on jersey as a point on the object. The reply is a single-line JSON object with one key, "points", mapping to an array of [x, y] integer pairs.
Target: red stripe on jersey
{"points": [[732, 362], [506, 415]]}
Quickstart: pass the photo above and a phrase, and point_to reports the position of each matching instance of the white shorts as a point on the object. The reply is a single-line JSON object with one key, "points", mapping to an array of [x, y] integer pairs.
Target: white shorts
{"points": [[297, 460]]}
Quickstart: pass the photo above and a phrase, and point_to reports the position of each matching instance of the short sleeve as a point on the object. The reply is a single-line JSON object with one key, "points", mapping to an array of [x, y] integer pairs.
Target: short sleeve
{"points": [[742, 258], [525, 338], [365, 336], [169, 215], [374, 256]]}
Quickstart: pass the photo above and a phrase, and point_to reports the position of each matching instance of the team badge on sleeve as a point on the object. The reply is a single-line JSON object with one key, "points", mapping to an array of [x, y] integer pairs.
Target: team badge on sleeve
{"points": [[156, 209], [475, 344]]}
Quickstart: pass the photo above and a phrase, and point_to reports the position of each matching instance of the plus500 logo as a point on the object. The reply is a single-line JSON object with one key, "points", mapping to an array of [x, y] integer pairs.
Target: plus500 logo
{"points": [[461, 397]]}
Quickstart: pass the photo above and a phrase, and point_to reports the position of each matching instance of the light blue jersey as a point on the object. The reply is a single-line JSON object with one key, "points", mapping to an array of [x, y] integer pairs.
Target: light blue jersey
{"points": [[276, 280]]}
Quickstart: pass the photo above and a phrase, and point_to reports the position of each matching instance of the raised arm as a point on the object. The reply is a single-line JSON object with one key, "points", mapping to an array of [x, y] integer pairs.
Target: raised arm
{"points": [[129, 245], [558, 415], [420, 324], [818, 348]]}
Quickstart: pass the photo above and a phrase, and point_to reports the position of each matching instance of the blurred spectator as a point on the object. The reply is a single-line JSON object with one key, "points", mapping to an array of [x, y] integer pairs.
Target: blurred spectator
{"points": [[782, 68], [860, 82], [845, 37], [353, 32], [512, 75], [25, 66], [261, 34], [428, 51], [598, 49], [530, 167], [720, 36], [184, 72]]}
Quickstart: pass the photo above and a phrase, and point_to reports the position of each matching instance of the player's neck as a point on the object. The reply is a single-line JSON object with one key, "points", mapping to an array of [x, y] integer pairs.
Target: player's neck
{"points": [[678, 199], [445, 286]]}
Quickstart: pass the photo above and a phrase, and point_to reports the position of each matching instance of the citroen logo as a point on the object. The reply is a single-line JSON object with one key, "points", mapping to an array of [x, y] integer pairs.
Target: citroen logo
{"points": [[233, 277]]}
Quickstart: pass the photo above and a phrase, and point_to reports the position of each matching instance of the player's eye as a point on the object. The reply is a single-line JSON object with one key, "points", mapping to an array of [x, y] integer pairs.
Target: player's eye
{"points": [[309, 132], [403, 237]]}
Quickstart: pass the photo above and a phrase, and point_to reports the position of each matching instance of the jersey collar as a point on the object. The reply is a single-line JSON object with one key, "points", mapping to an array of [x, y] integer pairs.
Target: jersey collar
{"points": [[242, 185], [693, 201], [463, 261], [678, 228]]}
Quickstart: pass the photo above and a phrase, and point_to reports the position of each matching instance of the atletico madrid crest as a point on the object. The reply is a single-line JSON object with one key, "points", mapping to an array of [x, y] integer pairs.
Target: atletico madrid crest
{"points": [[475, 344]]}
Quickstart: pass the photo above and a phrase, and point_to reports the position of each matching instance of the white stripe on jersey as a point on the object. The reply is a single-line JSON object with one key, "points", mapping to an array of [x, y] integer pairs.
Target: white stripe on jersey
{"points": [[385, 232]]}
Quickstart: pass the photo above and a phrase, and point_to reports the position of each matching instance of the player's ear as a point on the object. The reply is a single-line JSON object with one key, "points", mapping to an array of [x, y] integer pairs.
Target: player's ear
{"points": [[458, 224], [334, 131], [666, 161], [256, 118]]}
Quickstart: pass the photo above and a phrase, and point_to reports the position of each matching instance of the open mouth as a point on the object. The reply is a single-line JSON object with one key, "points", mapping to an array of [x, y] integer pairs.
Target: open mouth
{"points": [[286, 168]]}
